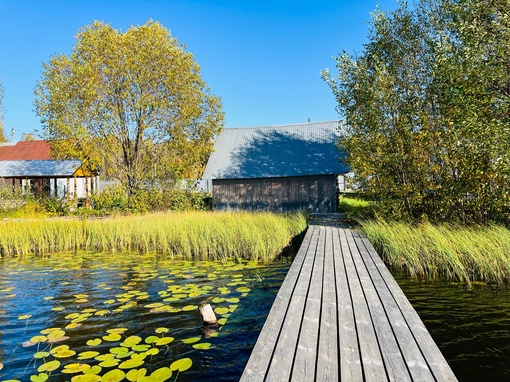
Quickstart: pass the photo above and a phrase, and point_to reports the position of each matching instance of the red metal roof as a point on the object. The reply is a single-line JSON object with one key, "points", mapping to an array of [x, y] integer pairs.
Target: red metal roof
{"points": [[27, 150]]}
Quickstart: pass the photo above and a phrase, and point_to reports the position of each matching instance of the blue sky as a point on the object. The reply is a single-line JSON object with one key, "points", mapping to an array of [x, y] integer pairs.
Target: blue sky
{"points": [[263, 58]]}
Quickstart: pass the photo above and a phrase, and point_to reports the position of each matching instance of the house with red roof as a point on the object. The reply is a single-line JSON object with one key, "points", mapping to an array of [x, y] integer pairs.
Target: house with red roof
{"points": [[29, 165]]}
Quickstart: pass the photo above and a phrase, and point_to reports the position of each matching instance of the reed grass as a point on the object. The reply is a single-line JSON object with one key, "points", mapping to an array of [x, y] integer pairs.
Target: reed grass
{"points": [[189, 235], [467, 254]]}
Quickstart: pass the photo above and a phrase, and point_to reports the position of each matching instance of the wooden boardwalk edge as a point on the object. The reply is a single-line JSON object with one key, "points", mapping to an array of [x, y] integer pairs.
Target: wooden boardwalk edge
{"points": [[340, 315]]}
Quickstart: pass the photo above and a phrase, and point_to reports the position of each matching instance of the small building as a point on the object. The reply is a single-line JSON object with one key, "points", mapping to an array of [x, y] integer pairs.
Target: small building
{"points": [[28, 165], [276, 168]]}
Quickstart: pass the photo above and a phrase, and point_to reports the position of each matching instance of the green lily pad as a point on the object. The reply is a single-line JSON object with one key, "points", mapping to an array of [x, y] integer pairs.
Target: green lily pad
{"points": [[203, 346], [37, 339], [142, 347], [41, 354], [131, 341], [109, 363], [188, 308], [181, 365], [94, 342], [152, 351], [162, 330], [221, 310], [191, 340], [73, 368], [136, 374], [115, 375], [42, 377], [163, 341], [151, 339], [112, 337], [86, 378], [49, 366], [88, 355], [64, 353], [243, 289], [24, 317], [131, 363], [159, 375]]}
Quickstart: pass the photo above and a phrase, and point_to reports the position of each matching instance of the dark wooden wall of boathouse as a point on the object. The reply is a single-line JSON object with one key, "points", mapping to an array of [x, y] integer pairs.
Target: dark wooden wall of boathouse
{"points": [[315, 193]]}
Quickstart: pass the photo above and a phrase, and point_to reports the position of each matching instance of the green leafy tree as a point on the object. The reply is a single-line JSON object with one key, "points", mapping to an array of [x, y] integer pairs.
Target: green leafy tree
{"points": [[132, 104], [427, 107]]}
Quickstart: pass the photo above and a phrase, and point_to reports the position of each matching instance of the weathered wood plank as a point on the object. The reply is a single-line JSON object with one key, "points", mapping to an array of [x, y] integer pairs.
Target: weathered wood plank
{"points": [[393, 360], [411, 352], [306, 352], [283, 356], [350, 361], [432, 354], [328, 361], [340, 315], [260, 358], [371, 357]]}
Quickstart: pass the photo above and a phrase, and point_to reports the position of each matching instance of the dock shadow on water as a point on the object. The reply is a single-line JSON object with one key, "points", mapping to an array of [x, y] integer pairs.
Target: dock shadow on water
{"points": [[471, 326], [81, 317]]}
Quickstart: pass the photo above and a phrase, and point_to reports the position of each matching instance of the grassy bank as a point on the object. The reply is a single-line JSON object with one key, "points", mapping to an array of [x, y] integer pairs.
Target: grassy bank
{"points": [[459, 253], [190, 235]]}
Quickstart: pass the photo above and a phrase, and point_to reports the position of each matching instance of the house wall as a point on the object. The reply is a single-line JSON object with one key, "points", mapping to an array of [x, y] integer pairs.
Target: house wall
{"points": [[314, 193]]}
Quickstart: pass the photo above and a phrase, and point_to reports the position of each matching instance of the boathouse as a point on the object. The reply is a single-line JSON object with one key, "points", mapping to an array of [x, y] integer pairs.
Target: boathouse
{"points": [[276, 168], [28, 165]]}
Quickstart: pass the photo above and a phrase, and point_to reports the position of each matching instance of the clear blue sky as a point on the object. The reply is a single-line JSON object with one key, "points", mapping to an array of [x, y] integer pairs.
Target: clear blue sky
{"points": [[263, 58]]}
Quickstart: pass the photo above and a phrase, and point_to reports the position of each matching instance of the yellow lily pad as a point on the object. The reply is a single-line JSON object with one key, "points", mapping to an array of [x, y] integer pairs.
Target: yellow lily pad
{"points": [[49, 366], [181, 365], [115, 375]]}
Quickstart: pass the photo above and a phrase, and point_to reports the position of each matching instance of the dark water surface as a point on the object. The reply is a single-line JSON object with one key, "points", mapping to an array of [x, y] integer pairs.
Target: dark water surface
{"points": [[119, 291], [470, 326]]}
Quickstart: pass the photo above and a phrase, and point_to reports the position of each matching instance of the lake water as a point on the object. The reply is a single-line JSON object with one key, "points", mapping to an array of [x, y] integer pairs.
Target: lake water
{"points": [[470, 325], [68, 315]]}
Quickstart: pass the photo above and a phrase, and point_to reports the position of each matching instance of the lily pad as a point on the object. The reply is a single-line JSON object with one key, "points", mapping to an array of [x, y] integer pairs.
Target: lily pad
{"points": [[73, 368], [42, 377], [159, 375], [188, 308], [191, 340], [163, 341], [41, 354], [162, 330], [181, 365], [136, 374], [24, 317], [112, 337], [203, 346], [49, 366], [115, 375], [131, 363], [88, 355], [86, 378], [94, 342]]}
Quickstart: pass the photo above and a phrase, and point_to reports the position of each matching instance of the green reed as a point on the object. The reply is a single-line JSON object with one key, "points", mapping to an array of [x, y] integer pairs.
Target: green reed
{"points": [[456, 252], [190, 235]]}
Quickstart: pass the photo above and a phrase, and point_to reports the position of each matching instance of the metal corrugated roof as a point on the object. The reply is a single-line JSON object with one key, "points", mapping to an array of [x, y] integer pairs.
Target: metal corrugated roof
{"points": [[277, 151], [35, 168], [26, 150]]}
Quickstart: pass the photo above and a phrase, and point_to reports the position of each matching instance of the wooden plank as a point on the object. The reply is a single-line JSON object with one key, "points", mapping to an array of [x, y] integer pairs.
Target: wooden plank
{"points": [[260, 357], [432, 354], [350, 359], [371, 357], [283, 356], [306, 352], [394, 364], [328, 361], [411, 352]]}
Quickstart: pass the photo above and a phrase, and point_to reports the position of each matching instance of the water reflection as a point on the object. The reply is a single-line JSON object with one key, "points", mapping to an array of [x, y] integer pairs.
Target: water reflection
{"points": [[88, 295], [470, 325]]}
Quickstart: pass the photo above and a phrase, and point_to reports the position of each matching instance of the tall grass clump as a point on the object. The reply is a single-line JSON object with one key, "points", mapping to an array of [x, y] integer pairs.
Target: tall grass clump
{"points": [[355, 207], [190, 235], [468, 254]]}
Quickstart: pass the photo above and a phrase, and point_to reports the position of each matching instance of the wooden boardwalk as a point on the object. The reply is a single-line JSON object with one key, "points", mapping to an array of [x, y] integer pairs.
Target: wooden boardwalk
{"points": [[340, 315]]}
